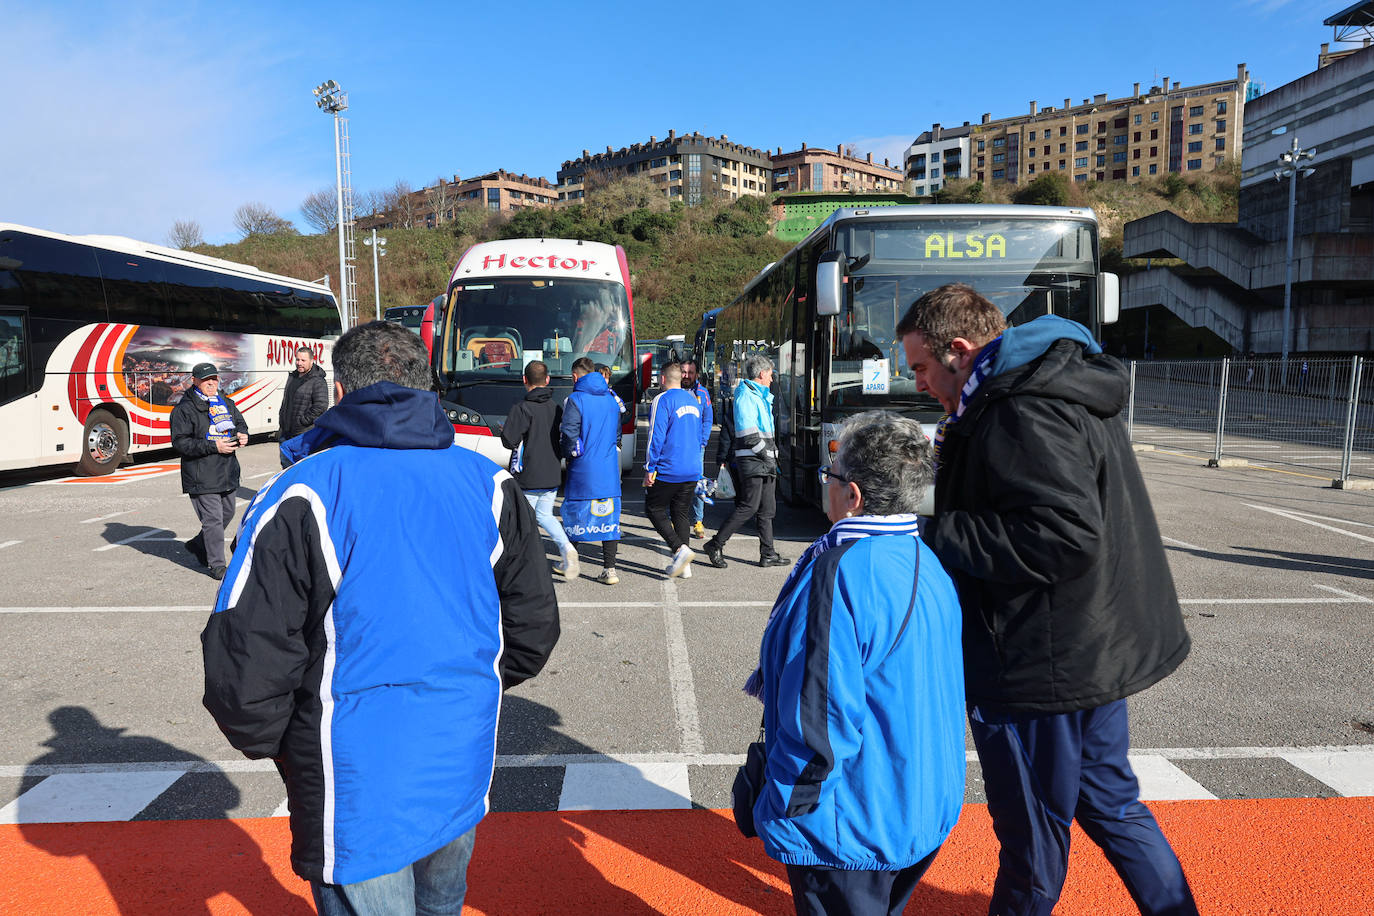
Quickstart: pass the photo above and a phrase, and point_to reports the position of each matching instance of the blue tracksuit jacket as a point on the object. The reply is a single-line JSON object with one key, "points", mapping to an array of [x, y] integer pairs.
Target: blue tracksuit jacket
{"points": [[863, 705], [675, 437], [590, 432], [382, 593]]}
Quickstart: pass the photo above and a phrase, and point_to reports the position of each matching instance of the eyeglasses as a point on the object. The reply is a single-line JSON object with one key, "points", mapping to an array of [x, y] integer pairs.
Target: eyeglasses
{"points": [[828, 474]]}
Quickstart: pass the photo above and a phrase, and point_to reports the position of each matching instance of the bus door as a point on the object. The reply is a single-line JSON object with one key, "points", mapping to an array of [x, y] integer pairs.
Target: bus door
{"points": [[795, 382]]}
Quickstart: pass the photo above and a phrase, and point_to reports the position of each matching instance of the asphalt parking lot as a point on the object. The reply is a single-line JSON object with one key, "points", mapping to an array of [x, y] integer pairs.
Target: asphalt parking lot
{"points": [[640, 705]]}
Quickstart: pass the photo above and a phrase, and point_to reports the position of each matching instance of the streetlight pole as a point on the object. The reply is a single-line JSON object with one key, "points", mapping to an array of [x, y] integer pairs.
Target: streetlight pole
{"points": [[1289, 168], [331, 98], [378, 246]]}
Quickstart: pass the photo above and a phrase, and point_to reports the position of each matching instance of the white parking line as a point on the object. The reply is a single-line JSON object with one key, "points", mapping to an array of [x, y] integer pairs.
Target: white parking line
{"points": [[680, 673], [107, 796], [1180, 543], [157, 534], [1298, 518], [101, 518], [9, 544], [624, 786], [1161, 780], [1350, 774]]}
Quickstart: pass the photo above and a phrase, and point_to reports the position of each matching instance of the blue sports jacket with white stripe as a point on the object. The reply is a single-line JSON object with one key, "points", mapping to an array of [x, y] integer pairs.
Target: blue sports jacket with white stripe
{"points": [[384, 590]]}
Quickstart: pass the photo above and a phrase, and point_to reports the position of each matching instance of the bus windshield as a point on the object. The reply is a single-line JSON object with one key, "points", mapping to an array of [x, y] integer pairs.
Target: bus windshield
{"points": [[494, 327], [1027, 268], [408, 316]]}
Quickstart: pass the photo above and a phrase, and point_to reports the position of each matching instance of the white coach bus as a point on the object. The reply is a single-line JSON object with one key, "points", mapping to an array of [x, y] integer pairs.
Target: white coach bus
{"points": [[98, 335]]}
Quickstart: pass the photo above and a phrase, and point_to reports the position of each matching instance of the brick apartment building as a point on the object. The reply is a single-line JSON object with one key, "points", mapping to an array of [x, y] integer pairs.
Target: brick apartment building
{"points": [[817, 169], [1166, 129], [435, 205], [690, 168]]}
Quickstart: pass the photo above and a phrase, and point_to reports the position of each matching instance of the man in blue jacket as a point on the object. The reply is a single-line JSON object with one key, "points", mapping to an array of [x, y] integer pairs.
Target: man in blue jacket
{"points": [[590, 436], [1043, 521], [672, 467], [756, 459], [387, 587], [692, 384]]}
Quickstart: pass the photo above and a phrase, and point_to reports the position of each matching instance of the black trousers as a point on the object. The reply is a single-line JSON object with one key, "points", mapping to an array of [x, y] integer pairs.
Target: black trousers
{"points": [[664, 497], [756, 499], [820, 891]]}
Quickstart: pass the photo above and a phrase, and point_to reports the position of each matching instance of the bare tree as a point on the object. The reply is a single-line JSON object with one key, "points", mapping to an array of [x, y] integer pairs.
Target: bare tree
{"points": [[402, 204], [440, 199], [369, 203], [260, 219], [185, 234], [321, 210]]}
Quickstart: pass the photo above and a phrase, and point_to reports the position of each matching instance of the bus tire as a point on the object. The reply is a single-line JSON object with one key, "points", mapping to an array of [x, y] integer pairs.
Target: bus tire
{"points": [[104, 444]]}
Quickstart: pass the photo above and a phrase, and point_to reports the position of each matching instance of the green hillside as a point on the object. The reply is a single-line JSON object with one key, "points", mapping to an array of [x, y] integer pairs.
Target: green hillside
{"points": [[685, 260]]}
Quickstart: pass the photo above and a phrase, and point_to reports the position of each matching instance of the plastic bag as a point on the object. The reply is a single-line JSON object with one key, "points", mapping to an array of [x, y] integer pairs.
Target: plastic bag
{"points": [[725, 484]]}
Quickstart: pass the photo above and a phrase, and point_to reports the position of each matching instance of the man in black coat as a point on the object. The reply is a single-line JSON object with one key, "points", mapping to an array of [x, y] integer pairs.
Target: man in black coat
{"points": [[531, 432], [1043, 521], [207, 430], [305, 398]]}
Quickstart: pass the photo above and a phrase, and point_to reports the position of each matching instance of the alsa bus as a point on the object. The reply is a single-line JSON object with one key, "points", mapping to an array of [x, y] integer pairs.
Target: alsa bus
{"points": [[826, 313], [510, 302], [98, 335]]}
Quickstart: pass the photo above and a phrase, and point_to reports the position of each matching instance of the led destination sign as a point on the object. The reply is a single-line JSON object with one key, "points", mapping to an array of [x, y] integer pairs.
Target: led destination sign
{"points": [[1024, 241]]}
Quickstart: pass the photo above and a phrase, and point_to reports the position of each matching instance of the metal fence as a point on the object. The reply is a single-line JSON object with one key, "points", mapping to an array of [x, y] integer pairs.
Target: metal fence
{"points": [[1310, 413]]}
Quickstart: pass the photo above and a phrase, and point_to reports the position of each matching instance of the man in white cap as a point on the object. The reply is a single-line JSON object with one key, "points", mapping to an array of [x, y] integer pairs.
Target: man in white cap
{"points": [[207, 430]]}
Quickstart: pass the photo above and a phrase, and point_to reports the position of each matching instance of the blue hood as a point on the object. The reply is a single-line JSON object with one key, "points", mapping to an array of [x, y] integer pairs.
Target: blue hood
{"points": [[384, 415], [592, 383], [1030, 341]]}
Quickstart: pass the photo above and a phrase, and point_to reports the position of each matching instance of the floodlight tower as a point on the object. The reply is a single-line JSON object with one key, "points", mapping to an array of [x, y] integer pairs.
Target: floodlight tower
{"points": [[1290, 168], [331, 98]]}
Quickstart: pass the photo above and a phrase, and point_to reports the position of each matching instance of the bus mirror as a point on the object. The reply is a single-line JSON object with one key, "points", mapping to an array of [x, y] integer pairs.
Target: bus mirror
{"points": [[830, 277], [1109, 294]]}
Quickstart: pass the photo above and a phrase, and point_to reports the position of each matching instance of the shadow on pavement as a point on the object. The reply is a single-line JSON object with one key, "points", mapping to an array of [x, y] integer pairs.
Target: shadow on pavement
{"points": [[224, 860]]}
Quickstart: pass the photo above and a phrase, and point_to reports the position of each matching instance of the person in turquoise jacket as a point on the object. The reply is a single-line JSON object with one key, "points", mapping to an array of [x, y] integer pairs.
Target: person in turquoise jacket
{"points": [[862, 681], [756, 460]]}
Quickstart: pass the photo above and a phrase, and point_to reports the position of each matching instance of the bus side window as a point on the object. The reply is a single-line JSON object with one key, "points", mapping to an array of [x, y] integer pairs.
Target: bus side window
{"points": [[14, 368], [194, 298], [59, 277], [132, 290]]}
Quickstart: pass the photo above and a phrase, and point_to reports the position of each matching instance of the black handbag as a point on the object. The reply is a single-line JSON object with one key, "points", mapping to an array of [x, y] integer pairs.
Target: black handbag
{"points": [[748, 785]]}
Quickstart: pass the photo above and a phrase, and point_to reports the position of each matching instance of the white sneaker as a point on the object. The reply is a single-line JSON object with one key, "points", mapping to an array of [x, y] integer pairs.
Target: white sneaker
{"points": [[608, 577], [686, 572], [681, 560], [569, 568]]}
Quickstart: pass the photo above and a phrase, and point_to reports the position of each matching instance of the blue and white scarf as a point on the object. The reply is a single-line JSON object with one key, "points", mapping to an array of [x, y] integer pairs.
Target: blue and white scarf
{"points": [[982, 368], [842, 532], [222, 427]]}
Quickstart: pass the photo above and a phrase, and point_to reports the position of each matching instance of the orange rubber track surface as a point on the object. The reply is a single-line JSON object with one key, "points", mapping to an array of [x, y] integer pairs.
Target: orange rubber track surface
{"points": [[1275, 856]]}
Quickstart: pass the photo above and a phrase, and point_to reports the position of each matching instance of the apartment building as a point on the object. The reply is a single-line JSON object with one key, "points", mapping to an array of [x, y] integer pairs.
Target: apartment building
{"points": [[690, 168], [818, 169], [1169, 128], [435, 205]]}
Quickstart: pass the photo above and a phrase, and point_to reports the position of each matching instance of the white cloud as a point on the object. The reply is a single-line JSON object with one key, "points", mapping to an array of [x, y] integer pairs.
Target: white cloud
{"points": [[124, 127]]}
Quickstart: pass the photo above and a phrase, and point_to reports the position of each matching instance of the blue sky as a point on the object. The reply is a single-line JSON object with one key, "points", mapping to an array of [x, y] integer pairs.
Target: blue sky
{"points": [[124, 117]]}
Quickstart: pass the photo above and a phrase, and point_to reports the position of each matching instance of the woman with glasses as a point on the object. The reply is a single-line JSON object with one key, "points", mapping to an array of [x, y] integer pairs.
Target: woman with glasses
{"points": [[861, 678]]}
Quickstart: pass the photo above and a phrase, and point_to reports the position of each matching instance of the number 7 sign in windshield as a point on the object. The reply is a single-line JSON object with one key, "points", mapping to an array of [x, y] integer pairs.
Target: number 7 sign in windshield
{"points": [[875, 376]]}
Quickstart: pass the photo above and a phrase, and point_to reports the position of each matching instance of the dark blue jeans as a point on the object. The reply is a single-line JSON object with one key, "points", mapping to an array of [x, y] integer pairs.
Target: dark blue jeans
{"points": [[818, 891], [1041, 772], [432, 886]]}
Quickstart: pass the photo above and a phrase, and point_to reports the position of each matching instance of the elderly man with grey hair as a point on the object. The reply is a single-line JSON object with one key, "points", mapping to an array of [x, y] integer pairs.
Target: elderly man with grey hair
{"points": [[387, 587], [861, 678], [755, 458]]}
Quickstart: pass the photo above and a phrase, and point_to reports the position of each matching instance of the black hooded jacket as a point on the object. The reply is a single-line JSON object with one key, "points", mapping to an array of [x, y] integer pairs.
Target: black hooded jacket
{"points": [[534, 422], [1043, 521], [203, 468]]}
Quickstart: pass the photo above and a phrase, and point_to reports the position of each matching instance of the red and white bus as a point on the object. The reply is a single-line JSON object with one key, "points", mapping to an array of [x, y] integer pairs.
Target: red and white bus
{"points": [[98, 335], [514, 301]]}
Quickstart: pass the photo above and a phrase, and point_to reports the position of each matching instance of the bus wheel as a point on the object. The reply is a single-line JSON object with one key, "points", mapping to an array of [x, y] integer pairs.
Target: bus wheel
{"points": [[105, 443]]}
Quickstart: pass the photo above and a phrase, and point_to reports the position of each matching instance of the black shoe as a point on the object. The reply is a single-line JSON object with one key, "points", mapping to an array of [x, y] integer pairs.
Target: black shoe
{"points": [[196, 546], [216, 572], [713, 554], [773, 559]]}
